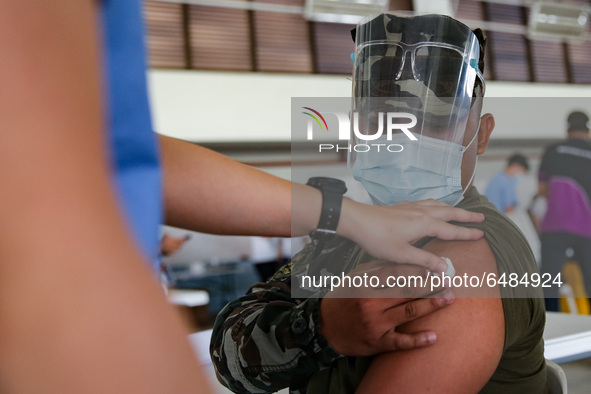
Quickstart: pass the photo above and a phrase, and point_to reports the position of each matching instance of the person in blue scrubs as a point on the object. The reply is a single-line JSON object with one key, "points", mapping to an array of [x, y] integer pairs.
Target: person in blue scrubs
{"points": [[82, 200], [502, 188]]}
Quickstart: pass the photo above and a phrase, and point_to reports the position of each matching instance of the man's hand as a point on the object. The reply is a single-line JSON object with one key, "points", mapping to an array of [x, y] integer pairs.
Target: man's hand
{"points": [[364, 325], [387, 232]]}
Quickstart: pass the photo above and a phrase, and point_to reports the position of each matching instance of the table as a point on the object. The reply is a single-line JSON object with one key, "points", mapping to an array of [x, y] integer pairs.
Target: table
{"points": [[567, 337], [190, 298], [224, 281]]}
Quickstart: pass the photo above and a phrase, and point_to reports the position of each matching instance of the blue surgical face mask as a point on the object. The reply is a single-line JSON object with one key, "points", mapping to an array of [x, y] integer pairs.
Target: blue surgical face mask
{"points": [[428, 168]]}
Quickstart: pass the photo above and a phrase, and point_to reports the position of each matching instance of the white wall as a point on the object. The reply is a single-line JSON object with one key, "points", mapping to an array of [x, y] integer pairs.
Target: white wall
{"points": [[223, 106]]}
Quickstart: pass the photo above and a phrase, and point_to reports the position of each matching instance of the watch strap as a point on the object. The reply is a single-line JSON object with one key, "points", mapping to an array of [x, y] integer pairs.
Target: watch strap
{"points": [[332, 199]]}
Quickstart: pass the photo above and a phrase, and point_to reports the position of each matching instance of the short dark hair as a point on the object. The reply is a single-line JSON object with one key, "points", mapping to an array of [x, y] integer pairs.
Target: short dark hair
{"points": [[519, 159], [577, 121]]}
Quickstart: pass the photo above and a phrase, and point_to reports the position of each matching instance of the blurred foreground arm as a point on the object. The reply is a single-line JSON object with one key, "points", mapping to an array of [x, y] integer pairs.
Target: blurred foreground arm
{"points": [[81, 313], [208, 192]]}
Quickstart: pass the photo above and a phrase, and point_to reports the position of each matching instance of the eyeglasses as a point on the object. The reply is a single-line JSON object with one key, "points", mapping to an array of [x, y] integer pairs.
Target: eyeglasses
{"points": [[441, 67]]}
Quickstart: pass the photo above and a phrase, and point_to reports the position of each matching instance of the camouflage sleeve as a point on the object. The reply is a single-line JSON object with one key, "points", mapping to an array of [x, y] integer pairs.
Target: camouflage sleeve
{"points": [[266, 340]]}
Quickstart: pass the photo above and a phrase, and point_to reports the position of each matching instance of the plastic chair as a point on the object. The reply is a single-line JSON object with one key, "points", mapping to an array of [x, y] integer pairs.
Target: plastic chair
{"points": [[555, 378]]}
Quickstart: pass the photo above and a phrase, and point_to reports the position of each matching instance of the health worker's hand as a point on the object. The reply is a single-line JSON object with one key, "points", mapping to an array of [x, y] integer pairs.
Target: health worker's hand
{"points": [[388, 232]]}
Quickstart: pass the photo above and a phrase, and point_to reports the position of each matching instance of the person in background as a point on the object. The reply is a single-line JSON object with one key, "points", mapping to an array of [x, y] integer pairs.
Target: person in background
{"points": [[169, 245], [81, 172], [502, 188], [564, 180]]}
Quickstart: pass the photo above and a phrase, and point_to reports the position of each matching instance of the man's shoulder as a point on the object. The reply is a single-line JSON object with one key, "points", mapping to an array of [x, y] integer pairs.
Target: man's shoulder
{"points": [[501, 233], [578, 142], [557, 148], [552, 147]]}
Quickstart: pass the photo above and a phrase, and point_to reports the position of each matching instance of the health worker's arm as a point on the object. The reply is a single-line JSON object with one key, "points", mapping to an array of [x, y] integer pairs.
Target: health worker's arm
{"points": [[470, 335], [542, 188], [81, 312], [208, 192]]}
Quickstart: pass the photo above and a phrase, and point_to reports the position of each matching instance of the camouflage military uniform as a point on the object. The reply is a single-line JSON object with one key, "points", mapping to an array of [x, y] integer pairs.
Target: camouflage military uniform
{"points": [[267, 340]]}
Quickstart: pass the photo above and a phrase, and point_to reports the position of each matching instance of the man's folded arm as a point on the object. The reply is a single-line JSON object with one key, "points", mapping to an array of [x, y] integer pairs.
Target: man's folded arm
{"points": [[265, 340]]}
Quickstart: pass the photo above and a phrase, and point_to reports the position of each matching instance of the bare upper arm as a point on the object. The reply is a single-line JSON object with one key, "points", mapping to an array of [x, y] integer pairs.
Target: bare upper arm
{"points": [[470, 335]]}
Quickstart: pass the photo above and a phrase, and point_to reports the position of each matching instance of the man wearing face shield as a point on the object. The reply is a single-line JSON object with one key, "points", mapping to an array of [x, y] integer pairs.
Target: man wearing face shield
{"points": [[417, 85], [411, 70]]}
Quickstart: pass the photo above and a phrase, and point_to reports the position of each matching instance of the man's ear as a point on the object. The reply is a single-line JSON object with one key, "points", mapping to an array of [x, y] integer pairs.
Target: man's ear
{"points": [[487, 124]]}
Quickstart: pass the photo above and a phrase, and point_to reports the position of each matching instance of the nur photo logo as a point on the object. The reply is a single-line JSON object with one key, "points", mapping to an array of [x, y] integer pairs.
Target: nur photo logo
{"points": [[388, 123]]}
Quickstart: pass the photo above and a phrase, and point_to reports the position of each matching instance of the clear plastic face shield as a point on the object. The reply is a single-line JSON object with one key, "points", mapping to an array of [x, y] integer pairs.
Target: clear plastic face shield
{"points": [[415, 81]]}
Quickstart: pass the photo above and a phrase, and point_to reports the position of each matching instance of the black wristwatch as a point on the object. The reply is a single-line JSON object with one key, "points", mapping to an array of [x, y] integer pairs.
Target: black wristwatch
{"points": [[332, 199]]}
